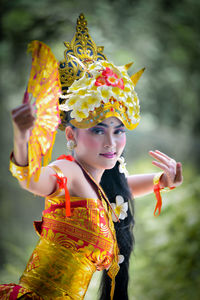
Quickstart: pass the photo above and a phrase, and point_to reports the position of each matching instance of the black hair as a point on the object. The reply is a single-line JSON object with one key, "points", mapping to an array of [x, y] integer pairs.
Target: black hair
{"points": [[115, 183]]}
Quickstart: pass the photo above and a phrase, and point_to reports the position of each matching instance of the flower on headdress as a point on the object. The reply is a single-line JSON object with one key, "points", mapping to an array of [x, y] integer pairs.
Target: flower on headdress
{"points": [[78, 115], [71, 102], [120, 83], [106, 93], [102, 81], [108, 72], [85, 106], [81, 92], [122, 166], [109, 78], [120, 208], [112, 80], [129, 101]]}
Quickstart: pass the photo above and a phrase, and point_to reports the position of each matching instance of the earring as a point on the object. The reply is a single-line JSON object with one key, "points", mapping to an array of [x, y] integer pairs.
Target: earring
{"points": [[71, 144]]}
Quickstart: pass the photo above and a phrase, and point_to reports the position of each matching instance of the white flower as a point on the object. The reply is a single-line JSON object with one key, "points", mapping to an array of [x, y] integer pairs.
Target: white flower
{"points": [[122, 166], [120, 208]]}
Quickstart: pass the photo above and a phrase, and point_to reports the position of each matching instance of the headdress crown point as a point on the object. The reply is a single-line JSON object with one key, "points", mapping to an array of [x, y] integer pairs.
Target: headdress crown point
{"points": [[127, 66], [135, 77], [82, 50]]}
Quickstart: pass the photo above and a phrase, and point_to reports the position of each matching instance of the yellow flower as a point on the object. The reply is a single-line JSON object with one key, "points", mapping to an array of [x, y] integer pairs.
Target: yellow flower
{"points": [[92, 100], [78, 115], [84, 105], [127, 88], [129, 101], [81, 92], [72, 101], [105, 92]]}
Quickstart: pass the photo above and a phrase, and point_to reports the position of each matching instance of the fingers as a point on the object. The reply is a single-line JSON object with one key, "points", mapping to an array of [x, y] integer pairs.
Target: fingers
{"points": [[23, 117], [172, 169], [21, 109], [160, 165], [162, 154], [163, 158], [179, 175]]}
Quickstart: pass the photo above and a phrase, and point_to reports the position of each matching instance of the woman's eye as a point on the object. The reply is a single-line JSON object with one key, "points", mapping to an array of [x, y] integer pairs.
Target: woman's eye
{"points": [[97, 130], [120, 131]]}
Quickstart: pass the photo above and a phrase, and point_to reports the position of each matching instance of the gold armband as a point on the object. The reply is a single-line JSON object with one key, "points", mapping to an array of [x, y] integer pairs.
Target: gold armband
{"points": [[157, 177], [20, 172]]}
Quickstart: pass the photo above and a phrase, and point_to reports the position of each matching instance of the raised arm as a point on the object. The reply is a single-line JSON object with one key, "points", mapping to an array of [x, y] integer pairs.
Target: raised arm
{"points": [[23, 121], [142, 184]]}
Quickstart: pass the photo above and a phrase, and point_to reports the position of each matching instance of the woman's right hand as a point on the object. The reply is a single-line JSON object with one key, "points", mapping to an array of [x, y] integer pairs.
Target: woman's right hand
{"points": [[23, 121]]}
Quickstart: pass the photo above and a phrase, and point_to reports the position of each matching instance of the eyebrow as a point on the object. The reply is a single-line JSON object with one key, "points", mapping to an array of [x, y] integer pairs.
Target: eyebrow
{"points": [[105, 125]]}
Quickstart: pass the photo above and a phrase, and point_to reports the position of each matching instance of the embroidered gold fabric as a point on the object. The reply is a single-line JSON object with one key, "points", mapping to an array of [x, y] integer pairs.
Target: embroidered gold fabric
{"points": [[69, 251], [55, 272], [87, 231]]}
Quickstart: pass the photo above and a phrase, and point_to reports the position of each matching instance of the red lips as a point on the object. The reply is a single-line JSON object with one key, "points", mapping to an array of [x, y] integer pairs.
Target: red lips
{"points": [[109, 154]]}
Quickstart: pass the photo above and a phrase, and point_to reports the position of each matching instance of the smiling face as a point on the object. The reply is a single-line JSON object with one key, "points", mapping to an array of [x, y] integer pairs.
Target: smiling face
{"points": [[99, 147]]}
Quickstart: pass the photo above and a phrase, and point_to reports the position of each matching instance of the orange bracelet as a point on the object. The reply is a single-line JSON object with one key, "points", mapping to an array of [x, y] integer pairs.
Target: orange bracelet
{"points": [[157, 189]]}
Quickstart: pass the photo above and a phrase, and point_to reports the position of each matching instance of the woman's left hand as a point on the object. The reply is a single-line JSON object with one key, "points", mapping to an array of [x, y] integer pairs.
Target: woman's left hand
{"points": [[172, 176]]}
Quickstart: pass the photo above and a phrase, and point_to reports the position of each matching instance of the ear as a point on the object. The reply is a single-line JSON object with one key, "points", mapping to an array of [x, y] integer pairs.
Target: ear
{"points": [[69, 133]]}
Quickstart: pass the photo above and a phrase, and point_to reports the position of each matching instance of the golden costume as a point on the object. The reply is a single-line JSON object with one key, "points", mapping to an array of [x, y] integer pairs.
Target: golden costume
{"points": [[70, 249]]}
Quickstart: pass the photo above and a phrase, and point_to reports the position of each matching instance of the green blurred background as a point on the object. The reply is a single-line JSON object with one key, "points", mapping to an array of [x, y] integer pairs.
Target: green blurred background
{"points": [[163, 36]]}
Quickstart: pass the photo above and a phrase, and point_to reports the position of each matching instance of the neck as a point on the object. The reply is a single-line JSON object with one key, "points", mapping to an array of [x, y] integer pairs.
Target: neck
{"points": [[94, 172]]}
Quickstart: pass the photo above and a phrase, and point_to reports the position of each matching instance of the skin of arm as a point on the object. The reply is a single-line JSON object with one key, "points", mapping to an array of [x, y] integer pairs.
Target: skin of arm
{"points": [[142, 184], [23, 121]]}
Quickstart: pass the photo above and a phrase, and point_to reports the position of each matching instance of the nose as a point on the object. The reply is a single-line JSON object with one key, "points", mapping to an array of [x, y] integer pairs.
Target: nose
{"points": [[109, 141]]}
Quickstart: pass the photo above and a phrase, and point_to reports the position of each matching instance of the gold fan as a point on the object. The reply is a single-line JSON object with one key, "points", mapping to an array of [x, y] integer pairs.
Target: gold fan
{"points": [[43, 92]]}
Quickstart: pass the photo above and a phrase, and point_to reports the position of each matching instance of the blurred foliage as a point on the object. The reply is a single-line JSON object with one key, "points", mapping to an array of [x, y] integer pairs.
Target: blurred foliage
{"points": [[163, 36], [165, 263]]}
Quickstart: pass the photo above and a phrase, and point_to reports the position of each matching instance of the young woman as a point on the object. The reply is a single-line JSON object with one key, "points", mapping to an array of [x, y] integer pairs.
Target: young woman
{"points": [[88, 217]]}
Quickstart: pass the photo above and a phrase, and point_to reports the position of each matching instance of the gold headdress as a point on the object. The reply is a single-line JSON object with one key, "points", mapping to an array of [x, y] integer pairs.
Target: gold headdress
{"points": [[93, 88]]}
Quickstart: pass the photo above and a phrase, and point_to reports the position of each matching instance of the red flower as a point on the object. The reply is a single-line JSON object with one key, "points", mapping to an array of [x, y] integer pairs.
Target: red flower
{"points": [[112, 80], [120, 83], [100, 81], [109, 78], [108, 72]]}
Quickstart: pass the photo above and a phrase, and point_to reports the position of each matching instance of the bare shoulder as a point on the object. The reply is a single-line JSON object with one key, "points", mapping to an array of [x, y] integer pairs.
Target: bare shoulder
{"points": [[77, 183], [69, 168]]}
